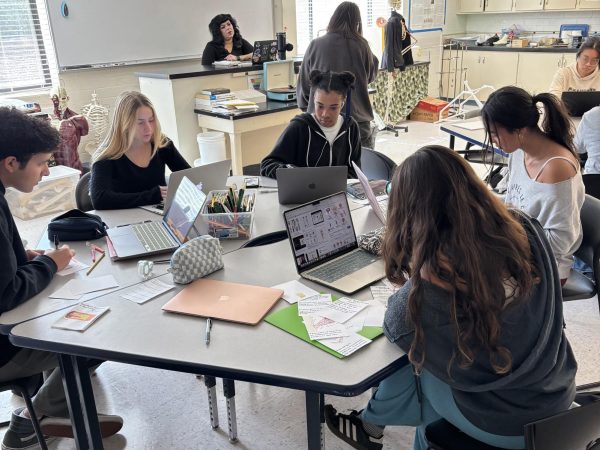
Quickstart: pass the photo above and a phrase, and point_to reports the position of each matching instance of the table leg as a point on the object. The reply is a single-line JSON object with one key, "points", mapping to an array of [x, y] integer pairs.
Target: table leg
{"points": [[88, 405], [68, 371], [314, 407], [235, 144], [452, 140], [229, 392], [211, 386]]}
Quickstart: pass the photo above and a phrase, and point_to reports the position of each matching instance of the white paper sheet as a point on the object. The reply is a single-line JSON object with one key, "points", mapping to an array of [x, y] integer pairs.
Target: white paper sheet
{"points": [[373, 315], [147, 291], [80, 317], [343, 309], [346, 345], [294, 291], [314, 304], [73, 266], [74, 289], [322, 328]]}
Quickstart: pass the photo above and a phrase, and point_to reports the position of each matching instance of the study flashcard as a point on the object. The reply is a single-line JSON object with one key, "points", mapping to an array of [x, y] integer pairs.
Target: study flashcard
{"points": [[80, 317], [372, 315], [321, 328], [294, 291], [346, 345], [343, 309], [147, 291], [73, 266], [314, 304]]}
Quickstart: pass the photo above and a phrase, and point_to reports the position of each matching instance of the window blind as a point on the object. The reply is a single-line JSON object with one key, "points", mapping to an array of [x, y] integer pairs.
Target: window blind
{"points": [[312, 17], [27, 60]]}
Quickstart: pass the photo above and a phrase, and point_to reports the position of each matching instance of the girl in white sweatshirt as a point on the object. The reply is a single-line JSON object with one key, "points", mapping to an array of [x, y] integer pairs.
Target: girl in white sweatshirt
{"points": [[544, 178], [583, 74]]}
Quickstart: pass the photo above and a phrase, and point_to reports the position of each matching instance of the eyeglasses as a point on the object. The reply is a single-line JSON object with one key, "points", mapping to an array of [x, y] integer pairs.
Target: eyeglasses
{"points": [[588, 60]]}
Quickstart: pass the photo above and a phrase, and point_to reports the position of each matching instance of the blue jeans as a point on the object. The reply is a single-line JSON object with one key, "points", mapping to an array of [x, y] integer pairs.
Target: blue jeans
{"points": [[396, 403]]}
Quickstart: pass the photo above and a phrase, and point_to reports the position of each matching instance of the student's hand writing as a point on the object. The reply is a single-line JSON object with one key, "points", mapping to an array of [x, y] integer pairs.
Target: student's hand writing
{"points": [[33, 253], [62, 256], [231, 58], [163, 192]]}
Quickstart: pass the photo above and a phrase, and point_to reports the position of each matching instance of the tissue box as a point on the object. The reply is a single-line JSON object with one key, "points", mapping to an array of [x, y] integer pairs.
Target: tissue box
{"points": [[54, 194], [228, 225], [428, 110]]}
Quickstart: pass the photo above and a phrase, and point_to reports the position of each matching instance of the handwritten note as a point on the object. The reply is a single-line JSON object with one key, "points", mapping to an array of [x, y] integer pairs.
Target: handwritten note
{"points": [[147, 291], [344, 309], [314, 304], [73, 266], [346, 345], [323, 328]]}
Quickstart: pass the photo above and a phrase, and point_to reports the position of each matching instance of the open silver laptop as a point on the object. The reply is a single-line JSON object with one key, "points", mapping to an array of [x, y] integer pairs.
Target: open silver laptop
{"points": [[297, 185], [151, 238], [325, 248], [379, 208], [213, 177]]}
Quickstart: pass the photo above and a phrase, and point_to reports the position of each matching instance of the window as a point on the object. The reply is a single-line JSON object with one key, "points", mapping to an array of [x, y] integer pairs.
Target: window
{"points": [[27, 59], [312, 17]]}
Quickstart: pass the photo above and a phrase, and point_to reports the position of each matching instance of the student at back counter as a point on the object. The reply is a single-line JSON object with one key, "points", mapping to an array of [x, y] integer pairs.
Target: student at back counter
{"points": [[227, 43]]}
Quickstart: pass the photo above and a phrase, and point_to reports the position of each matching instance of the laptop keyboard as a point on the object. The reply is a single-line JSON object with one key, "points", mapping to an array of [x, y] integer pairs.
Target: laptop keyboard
{"points": [[153, 237], [343, 266]]}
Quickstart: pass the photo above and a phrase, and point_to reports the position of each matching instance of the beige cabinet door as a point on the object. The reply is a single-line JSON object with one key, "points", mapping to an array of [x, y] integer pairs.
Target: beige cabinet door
{"points": [[471, 6], [536, 70], [529, 5], [588, 4], [498, 5], [560, 4], [496, 69]]}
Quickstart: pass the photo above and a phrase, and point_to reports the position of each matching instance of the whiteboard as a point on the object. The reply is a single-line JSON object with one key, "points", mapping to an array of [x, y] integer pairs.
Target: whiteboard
{"points": [[99, 33]]}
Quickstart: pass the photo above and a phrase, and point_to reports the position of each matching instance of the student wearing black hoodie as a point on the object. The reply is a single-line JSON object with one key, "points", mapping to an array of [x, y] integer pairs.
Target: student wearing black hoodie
{"points": [[325, 137], [479, 313], [26, 145]]}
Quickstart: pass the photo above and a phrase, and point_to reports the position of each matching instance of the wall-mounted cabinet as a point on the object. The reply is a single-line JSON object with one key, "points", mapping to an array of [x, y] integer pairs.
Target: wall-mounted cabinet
{"points": [[559, 4], [469, 6], [588, 4], [497, 5], [529, 5]]}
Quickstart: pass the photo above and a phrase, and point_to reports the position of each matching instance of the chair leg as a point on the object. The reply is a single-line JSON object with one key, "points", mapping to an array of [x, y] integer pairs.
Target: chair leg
{"points": [[34, 419]]}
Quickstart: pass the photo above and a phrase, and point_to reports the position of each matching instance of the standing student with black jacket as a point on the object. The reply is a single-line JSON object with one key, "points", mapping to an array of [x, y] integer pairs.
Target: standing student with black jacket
{"points": [[26, 145], [325, 137], [128, 168]]}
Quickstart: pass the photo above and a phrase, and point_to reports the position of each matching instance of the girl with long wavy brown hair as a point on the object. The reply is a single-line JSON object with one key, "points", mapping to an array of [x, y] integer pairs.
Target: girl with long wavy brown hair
{"points": [[479, 312]]}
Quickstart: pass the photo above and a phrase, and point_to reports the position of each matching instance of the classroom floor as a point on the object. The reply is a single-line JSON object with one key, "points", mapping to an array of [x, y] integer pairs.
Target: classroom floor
{"points": [[168, 410]]}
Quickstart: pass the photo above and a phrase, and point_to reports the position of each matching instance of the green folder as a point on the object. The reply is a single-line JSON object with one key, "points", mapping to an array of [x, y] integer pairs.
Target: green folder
{"points": [[288, 320]]}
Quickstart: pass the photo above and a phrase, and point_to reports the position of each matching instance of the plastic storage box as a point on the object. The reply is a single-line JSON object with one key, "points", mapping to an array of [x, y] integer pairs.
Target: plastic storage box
{"points": [[55, 193], [228, 225]]}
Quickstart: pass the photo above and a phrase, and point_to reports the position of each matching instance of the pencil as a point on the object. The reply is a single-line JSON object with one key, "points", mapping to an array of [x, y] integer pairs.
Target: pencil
{"points": [[93, 266]]}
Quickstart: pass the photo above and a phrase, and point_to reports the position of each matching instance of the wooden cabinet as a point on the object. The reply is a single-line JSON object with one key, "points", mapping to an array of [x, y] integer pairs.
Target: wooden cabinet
{"points": [[491, 68], [498, 5], [559, 4], [529, 5], [535, 71], [467, 6], [588, 4]]}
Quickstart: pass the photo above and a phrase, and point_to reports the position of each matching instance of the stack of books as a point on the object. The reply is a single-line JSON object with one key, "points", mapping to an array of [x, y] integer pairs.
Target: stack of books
{"points": [[209, 98]]}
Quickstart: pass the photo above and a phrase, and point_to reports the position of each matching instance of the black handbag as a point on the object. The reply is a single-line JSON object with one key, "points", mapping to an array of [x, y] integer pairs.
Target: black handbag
{"points": [[76, 225]]}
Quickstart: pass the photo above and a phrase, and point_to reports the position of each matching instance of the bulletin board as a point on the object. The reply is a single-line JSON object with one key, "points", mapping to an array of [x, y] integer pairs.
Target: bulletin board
{"points": [[426, 15]]}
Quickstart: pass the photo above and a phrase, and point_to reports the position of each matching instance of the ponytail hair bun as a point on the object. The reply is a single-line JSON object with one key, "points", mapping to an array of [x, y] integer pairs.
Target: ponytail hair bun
{"points": [[340, 82]]}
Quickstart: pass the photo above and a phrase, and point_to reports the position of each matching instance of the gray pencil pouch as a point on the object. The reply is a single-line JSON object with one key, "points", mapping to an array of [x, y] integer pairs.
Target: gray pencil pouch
{"points": [[195, 259]]}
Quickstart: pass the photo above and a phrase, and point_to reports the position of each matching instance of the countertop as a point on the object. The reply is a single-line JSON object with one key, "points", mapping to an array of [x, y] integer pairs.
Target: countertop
{"points": [[504, 48]]}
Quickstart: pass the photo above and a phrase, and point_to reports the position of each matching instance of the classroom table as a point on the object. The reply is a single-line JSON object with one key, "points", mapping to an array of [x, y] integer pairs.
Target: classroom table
{"points": [[269, 114], [473, 137], [259, 354]]}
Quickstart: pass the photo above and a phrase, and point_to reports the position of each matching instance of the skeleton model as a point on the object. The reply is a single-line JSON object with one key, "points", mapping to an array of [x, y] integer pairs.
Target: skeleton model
{"points": [[97, 116]]}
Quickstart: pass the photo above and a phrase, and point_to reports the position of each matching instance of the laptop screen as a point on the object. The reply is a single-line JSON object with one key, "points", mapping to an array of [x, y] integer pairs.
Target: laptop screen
{"points": [[320, 230], [184, 209]]}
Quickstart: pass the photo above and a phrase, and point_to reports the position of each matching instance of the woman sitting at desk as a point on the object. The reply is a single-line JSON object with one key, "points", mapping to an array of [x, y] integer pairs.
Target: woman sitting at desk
{"points": [[583, 74], [325, 137], [479, 313], [128, 168], [227, 43], [544, 176]]}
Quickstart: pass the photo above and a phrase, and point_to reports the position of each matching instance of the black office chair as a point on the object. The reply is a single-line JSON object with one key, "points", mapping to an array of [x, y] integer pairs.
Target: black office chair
{"points": [[266, 239], [376, 166], [82, 193], [577, 428], [592, 184], [22, 386], [252, 170], [578, 286]]}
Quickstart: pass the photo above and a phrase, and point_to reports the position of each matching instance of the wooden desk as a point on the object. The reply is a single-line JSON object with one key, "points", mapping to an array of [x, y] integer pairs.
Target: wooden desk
{"points": [[259, 354], [269, 114]]}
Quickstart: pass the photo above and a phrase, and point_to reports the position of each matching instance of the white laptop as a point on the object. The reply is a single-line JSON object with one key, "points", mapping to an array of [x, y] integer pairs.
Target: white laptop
{"points": [[213, 177], [379, 208], [296, 185], [325, 248], [151, 238]]}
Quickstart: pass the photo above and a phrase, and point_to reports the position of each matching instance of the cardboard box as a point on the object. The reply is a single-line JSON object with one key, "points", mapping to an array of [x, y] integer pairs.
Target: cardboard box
{"points": [[428, 110], [519, 43], [54, 194]]}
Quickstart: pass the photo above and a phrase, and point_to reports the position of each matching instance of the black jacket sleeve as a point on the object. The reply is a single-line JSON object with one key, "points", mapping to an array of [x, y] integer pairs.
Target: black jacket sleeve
{"points": [[209, 55], [283, 153], [19, 279], [172, 158], [104, 195]]}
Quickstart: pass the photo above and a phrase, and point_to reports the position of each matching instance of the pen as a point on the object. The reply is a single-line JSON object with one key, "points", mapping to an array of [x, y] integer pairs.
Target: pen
{"points": [[208, 327], [56, 242], [93, 266]]}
